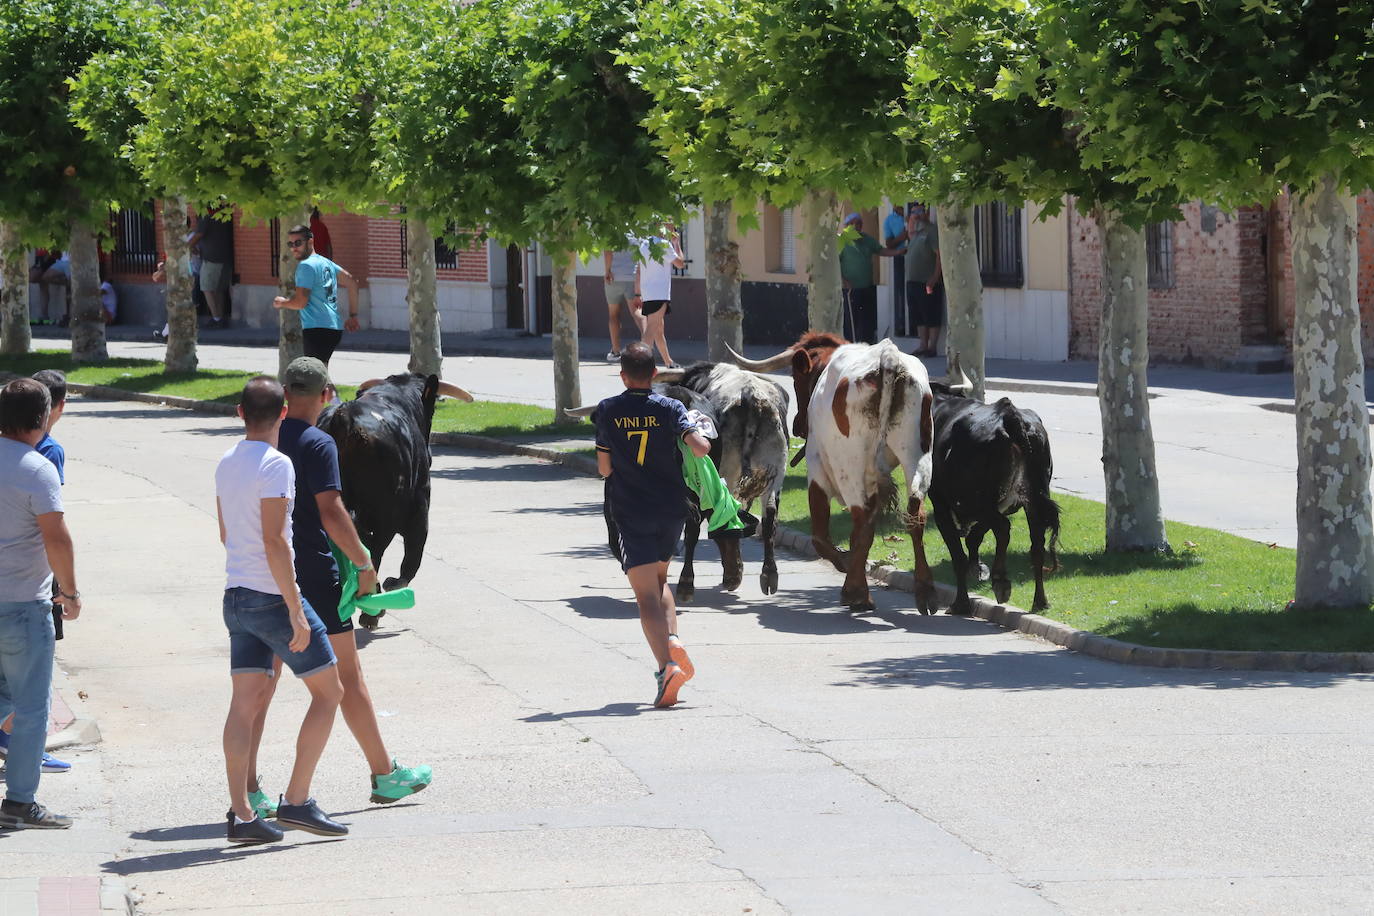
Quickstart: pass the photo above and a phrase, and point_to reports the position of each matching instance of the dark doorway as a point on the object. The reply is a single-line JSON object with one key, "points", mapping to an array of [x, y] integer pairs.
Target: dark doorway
{"points": [[515, 286]]}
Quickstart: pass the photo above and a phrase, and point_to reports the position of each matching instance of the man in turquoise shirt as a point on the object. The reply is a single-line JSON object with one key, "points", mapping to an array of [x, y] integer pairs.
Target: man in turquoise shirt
{"points": [[316, 296], [860, 292]]}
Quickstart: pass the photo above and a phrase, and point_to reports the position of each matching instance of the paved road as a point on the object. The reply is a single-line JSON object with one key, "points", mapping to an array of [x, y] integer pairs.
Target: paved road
{"points": [[1225, 459], [823, 763]]}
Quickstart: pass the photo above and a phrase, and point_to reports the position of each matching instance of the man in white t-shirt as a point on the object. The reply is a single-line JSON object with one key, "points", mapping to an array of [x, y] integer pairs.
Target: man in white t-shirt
{"points": [[266, 616], [654, 285], [620, 289]]}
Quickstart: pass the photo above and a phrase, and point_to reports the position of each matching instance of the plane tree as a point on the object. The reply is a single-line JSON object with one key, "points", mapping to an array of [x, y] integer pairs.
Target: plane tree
{"points": [[993, 122], [790, 102], [57, 184], [1234, 101], [524, 126]]}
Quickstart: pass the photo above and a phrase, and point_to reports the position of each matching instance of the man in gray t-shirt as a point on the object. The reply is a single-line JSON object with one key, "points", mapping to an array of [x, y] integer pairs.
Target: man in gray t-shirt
{"points": [[215, 238], [35, 547], [619, 276]]}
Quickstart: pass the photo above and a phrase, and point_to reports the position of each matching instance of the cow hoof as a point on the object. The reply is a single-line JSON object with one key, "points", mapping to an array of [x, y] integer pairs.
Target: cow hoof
{"points": [[371, 621], [731, 582], [1001, 588], [1040, 604], [857, 600], [925, 598], [865, 606], [984, 574], [960, 608], [686, 592], [768, 582]]}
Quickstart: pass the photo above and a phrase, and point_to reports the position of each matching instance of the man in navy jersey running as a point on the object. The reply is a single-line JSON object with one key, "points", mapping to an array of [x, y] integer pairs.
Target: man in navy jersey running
{"points": [[637, 435]]}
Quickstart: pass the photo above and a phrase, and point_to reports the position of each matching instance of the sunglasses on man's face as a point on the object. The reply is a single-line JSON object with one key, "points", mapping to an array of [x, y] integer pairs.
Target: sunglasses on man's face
{"points": [[295, 243]]}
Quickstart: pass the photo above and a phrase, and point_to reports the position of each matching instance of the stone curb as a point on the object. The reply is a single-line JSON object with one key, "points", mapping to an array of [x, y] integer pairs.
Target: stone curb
{"points": [[1003, 615]]}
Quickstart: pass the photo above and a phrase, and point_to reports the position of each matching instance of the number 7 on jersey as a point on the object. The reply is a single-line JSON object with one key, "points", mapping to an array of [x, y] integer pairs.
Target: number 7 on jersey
{"points": [[643, 435]]}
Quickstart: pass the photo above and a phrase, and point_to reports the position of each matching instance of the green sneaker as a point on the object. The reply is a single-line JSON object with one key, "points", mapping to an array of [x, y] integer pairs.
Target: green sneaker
{"points": [[399, 783], [263, 805]]}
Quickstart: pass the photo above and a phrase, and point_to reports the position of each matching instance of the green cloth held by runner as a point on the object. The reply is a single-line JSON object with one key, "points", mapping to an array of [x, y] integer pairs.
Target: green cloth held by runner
{"points": [[349, 599], [704, 480]]}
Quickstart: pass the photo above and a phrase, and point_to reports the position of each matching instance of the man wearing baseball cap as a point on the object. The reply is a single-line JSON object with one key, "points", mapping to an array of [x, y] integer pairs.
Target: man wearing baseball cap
{"points": [[318, 517], [860, 290]]}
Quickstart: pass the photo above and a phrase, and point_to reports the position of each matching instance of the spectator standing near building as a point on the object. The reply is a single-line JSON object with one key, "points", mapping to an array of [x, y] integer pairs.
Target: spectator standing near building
{"points": [[894, 235], [319, 516], [637, 435], [317, 296], [215, 239], [268, 619], [860, 289], [58, 272], [35, 552], [925, 291], [619, 277], [658, 255]]}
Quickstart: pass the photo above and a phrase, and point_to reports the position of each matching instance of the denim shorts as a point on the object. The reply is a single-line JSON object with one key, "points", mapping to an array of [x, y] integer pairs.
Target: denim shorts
{"points": [[260, 627]]}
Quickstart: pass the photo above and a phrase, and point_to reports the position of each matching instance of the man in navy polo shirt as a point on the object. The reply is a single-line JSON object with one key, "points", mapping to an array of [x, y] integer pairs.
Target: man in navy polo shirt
{"points": [[636, 450]]}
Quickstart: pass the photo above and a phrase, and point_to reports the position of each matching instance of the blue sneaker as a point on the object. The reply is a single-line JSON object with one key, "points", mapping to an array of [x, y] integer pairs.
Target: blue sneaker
{"points": [[50, 763]]}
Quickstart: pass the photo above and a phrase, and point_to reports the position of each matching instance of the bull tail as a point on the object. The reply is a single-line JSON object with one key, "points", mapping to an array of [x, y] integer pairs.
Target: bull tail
{"points": [[892, 380]]}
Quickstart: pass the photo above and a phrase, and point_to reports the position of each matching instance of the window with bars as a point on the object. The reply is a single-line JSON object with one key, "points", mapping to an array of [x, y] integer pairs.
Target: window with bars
{"points": [[1159, 255], [686, 261], [998, 231], [135, 240], [445, 258]]}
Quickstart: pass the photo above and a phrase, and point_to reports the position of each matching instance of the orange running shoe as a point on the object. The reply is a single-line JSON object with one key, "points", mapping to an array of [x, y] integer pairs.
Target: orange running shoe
{"points": [[679, 655], [670, 681]]}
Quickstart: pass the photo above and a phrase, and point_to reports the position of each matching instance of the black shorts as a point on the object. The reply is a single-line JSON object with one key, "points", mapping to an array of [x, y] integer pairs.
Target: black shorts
{"points": [[324, 598], [647, 540], [320, 342], [926, 309], [653, 305]]}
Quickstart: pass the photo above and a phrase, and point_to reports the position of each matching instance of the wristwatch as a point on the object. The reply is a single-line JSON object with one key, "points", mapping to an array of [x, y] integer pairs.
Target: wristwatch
{"points": [[73, 597], [363, 568]]}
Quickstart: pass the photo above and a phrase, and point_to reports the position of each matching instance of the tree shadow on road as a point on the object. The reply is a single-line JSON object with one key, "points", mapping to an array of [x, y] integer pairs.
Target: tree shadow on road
{"points": [[528, 471], [1057, 670]]}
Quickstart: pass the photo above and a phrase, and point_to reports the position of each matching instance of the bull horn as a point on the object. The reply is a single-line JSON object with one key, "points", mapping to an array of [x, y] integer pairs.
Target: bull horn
{"points": [[580, 411], [952, 368], [668, 376], [771, 364]]}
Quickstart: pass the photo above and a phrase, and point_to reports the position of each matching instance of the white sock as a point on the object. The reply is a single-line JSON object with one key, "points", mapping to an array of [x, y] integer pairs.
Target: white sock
{"points": [[238, 821]]}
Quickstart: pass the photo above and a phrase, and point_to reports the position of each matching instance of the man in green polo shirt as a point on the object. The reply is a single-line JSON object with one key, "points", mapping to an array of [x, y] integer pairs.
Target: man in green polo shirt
{"points": [[860, 291]]}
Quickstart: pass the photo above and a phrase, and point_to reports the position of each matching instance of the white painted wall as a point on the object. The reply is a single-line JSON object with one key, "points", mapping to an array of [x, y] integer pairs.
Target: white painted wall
{"points": [[464, 308]]}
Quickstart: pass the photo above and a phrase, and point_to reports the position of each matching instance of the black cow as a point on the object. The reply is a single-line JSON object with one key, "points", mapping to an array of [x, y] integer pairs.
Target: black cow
{"points": [[989, 461], [384, 459]]}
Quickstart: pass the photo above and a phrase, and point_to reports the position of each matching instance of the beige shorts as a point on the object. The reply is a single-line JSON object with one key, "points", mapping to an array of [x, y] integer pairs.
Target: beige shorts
{"points": [[620, 292], [213, 276]]}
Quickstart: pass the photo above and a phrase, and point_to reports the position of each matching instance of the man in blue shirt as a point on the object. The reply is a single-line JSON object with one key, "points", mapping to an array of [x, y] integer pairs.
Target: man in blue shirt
{"points": [[317, 296], [894, 230], [636, 450]]}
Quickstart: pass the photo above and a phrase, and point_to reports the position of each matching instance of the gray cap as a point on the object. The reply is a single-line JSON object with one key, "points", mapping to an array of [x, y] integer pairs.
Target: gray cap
{"points": [[305, 375]]}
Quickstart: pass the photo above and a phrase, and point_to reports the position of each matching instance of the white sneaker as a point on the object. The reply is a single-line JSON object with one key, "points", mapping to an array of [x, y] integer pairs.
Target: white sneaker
{"points": [[613, 356]]}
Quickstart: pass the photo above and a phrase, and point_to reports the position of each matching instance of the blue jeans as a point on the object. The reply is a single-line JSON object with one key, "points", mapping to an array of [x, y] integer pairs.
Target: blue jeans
{"points": [[26, 648]]}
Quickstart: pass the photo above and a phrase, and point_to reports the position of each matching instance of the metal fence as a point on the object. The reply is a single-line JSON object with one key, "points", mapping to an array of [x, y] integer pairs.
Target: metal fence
{"points": [[997, 228]]}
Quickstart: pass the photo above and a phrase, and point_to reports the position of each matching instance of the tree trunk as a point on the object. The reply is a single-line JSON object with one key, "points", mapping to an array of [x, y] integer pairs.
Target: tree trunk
{"points": [[182, 328], [1334, 536], [426, 344], [724, 317], [15, 338], [567, 388], [824, 306], [289, 342], [963, 293], [1135, 520], [87, 313]]}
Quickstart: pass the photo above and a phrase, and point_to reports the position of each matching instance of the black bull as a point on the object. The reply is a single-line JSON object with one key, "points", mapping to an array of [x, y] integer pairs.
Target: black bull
{"points": [[989, 461], [383, 439]]}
